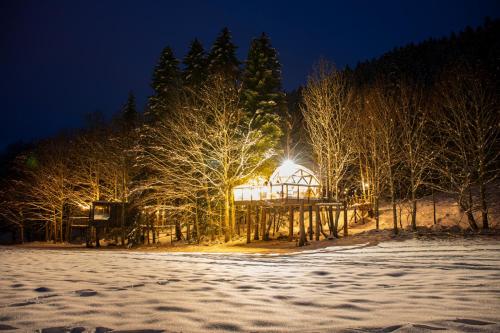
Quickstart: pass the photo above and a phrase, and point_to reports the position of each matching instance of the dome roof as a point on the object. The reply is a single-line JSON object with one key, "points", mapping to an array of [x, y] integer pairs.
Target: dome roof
{"points": [[291, 173]]}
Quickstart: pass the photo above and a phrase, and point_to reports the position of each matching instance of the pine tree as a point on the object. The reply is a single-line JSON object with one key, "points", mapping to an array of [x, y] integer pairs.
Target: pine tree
{"points": [[195, 72], [166, 84], [222, 58], [129, 112], [262, 97], [262, 79]]}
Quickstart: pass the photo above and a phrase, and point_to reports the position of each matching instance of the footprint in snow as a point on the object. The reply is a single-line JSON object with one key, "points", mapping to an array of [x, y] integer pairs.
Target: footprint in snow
{"points": [[472, 322], [86, 292]]}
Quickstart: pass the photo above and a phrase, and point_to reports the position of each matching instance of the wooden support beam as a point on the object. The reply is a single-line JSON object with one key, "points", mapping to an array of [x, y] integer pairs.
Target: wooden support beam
{"points": [[290, 224], [258, 209], [249, 223], [318, 222], [310, 215], [263, 228], [302, 228]]}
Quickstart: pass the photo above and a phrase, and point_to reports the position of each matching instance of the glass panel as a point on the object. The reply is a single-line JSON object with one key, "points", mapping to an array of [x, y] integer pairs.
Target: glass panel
{"points": [[101, 212]]}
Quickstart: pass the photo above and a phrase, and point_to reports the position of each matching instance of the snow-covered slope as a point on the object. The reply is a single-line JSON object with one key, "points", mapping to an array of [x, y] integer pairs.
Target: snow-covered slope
{"points": [[411, 286]]}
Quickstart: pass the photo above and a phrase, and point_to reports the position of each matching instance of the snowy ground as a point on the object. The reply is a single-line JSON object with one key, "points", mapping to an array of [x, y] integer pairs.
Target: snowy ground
{"points": [[411, 286]]}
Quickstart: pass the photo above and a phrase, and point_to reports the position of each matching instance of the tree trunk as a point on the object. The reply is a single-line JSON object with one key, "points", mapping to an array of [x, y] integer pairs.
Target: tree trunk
{"points": [[413, 210], [178, 230], [434, 207], [269, 221], [233, 216], [414, 214], [148, 232], [290, 224], [377, 215], [470, 215], [209, 215], [393, 204], [394, 216], [122, 223], [227, 218], [346, 227], [196, 226], [55, 228], [484, 205]]}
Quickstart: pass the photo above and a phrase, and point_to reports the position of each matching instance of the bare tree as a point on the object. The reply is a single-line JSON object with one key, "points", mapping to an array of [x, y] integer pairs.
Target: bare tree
{"points": [[328, 115], [368, 146], [468, 124], [48, 186], [416, 153], [385, 105]]}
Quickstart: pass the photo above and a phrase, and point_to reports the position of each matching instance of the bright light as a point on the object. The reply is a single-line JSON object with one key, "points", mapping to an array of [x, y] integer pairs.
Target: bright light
{"points": [[287, 168]]}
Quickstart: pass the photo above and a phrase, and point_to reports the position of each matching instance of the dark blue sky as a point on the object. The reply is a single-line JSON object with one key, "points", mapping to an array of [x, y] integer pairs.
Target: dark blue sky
{"points": [[62, 59]]}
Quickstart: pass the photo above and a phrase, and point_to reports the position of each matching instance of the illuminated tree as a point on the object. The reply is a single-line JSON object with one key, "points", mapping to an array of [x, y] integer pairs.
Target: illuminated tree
{"points": [[385, 106], [416, 153], [212, 151], [368, 148], [328, 115]]}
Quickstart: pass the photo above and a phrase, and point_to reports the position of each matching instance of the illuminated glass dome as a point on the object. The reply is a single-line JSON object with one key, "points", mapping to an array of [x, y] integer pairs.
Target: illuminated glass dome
{"points": [[289, 181], [291, 173]]}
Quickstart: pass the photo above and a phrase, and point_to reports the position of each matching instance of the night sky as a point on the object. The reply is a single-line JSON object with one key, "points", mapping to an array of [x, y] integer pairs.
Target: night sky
{"points": [[62, 59]]}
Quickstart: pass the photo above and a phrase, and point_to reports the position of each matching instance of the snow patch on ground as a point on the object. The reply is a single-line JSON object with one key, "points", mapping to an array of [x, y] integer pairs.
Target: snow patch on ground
{"points": [[410, 286]]}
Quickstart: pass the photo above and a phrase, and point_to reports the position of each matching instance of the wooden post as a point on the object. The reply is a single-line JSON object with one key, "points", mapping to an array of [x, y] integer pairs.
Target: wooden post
{"points": [[256, 231], [290, 225], [310, 215], [263, 217], [302, 228], [249, 223], [346, 232], [318, 221]]}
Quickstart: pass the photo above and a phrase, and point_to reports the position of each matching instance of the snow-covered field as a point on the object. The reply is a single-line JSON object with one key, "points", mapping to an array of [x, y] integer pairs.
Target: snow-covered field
{"points": [[411, 286]]}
